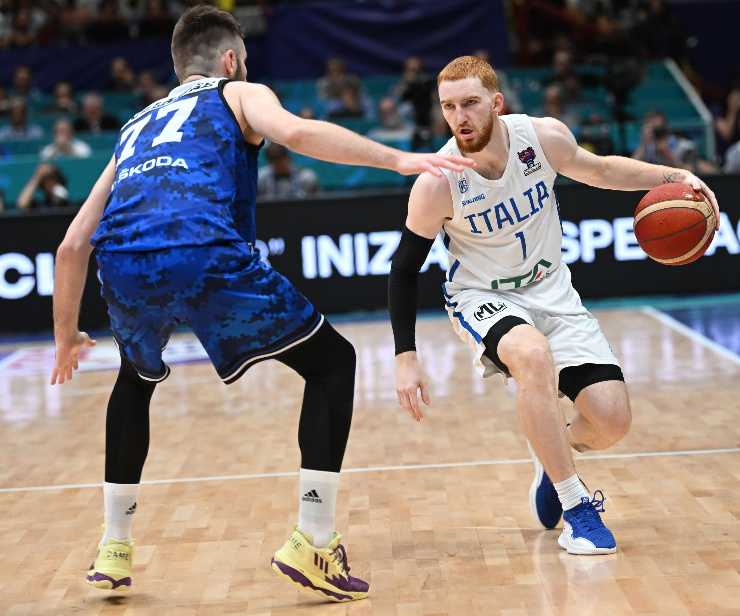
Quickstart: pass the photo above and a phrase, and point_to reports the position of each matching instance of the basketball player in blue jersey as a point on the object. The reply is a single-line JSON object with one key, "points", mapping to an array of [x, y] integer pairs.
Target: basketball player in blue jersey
{"points": [[172, 219], [509, 295]]}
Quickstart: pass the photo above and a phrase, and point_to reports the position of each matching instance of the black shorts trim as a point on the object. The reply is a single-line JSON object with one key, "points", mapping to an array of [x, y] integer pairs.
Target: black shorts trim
{"points": [[574, 379], [493, 337], [231, 374]]}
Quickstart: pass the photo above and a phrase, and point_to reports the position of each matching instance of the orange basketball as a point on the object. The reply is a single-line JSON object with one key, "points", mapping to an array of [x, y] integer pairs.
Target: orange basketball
{"points": [[674, 224]]}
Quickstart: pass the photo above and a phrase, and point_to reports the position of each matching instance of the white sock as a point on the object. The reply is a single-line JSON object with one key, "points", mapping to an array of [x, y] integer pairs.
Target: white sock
{"points": [[317, 494], [570, 492], [120, 505]]}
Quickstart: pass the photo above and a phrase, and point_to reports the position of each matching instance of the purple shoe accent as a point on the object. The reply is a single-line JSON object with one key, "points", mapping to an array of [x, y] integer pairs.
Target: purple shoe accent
{"points": [[301, 579], [351, 584], [101, 577]]}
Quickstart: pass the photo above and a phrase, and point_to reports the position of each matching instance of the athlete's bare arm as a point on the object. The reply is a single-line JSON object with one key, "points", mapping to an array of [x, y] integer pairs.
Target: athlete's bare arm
{"points": [[263, 115], [70, 273], [612, 172], [430, 204]]}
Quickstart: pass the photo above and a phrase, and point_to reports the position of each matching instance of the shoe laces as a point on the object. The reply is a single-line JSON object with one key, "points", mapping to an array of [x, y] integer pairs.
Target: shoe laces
{"points": [[340, 556], [589, 515]]}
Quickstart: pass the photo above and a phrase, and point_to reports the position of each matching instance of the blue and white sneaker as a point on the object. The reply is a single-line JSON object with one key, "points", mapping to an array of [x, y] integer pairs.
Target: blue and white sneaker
{"points": [[543, 499], [583, 530]]}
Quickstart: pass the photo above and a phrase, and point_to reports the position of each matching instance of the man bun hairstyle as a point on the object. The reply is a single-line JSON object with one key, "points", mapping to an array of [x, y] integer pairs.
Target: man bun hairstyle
{"points": [[200, 36], [470, 66]]}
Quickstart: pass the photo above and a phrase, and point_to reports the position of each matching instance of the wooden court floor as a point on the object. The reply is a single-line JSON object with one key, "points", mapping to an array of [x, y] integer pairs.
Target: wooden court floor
{"points": [[435, 515]]}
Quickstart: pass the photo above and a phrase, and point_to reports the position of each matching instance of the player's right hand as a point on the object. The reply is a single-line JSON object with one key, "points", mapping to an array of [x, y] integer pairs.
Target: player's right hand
{"points": [[67, 354], [410, 163], [409, 380]]}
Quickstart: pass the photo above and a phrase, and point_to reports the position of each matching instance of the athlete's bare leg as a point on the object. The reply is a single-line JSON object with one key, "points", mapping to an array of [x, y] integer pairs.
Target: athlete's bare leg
{"points": [[526, 354], [604, 416]]}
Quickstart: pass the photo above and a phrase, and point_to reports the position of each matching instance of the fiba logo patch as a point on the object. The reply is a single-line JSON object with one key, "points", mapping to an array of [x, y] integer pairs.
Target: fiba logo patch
{"points": [[488, 310], [462, 184], [528, 157]]}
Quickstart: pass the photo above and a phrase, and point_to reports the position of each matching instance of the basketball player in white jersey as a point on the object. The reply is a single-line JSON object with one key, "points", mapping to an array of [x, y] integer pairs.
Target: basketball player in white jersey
{"points": [[509, 294]]}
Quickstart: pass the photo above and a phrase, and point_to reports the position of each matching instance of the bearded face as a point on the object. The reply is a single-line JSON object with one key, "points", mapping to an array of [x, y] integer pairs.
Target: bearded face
{"points": [[471, 138], [469, 109]]}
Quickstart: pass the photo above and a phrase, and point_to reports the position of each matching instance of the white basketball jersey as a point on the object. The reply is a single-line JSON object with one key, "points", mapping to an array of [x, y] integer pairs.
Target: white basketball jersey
{"points": [[504, 233]]}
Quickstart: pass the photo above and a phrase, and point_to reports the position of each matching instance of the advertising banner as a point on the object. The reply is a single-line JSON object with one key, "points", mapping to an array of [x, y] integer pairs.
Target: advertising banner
{"points": [[338, 250]]}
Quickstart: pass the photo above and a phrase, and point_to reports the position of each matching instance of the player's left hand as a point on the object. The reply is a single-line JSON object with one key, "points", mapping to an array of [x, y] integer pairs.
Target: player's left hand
{"points": [[67, 354], [411, 164], [686, 177]]}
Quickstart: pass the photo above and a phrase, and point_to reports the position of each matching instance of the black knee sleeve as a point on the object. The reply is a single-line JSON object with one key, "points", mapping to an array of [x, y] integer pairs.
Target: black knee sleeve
{"points": [[574, 379], [493, 337], [127, 426], [327, 362]]}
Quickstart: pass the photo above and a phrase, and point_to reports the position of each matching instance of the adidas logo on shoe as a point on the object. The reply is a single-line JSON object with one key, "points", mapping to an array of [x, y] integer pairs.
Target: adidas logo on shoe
{"points": [[312, 496], [131, 510]]}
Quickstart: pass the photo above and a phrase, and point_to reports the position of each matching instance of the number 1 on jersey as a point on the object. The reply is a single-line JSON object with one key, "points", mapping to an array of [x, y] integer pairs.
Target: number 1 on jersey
{"points": [[520, 235]]}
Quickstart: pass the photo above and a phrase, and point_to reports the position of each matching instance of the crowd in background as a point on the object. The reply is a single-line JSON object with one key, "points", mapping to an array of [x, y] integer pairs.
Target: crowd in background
{"points": [[561, 34]]}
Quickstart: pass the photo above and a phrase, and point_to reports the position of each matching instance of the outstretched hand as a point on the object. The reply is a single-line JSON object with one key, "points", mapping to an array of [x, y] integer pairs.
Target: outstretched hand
{"points": [[410, 163], [67, 355]]}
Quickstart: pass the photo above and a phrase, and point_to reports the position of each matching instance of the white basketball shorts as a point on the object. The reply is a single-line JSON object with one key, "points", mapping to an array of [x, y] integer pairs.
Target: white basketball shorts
{"points": [[552, 305]]}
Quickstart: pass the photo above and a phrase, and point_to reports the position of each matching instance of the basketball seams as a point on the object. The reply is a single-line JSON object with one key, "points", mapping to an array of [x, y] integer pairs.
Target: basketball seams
{"points": [[700, 246], [699, 206], [675, 233]]}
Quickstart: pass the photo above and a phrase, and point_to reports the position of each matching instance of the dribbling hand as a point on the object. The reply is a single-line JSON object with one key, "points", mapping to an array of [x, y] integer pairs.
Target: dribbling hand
{"points": [[67, 354]]}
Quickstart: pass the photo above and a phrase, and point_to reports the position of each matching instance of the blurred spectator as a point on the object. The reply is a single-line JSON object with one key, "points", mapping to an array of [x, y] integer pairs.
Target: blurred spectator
{"points": [[661, 146], [595, 135], [159, 92], [564, 76], [23, 84], [728, 125], [145, 90], [553, 106], [4, 101], [52, 185], [392, 126], [483, 54], [64, 143], [64, 101], [93, 118], [658, 32], [281, 178], [156, 20], [350, 105], [336, 81], [25, 29], [440, 128], [107, 23], [122, 77], [416, 88], [19, 128], [732, 159], [657, 145], [307, 113]]}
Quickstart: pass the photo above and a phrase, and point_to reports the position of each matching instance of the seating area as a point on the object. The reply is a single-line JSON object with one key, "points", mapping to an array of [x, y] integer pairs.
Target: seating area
{"points": [[523, 87]]}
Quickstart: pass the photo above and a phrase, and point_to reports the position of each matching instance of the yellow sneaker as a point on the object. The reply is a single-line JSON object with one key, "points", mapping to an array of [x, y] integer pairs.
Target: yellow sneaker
{"points": [[111, 569], [323, 571]]}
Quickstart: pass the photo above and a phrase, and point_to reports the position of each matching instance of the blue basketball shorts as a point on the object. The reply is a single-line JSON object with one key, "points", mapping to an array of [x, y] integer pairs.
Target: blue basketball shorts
{"points": [[241, 309]]}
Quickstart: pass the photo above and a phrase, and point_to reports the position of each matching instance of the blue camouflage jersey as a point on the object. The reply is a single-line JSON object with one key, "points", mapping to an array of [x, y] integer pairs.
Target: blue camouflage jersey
{"points": [[184, 176]]}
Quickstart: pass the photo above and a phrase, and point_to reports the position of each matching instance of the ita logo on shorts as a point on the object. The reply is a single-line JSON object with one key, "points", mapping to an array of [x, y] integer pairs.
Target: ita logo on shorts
{"points": [[488, 310]]}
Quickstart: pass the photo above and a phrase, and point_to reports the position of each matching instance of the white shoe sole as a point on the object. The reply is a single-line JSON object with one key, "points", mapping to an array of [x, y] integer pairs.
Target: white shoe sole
{"points": [[573, 548]]}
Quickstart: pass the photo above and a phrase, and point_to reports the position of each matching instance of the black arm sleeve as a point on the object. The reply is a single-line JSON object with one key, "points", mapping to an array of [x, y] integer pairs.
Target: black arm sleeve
{"points": [[403, 288]]}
